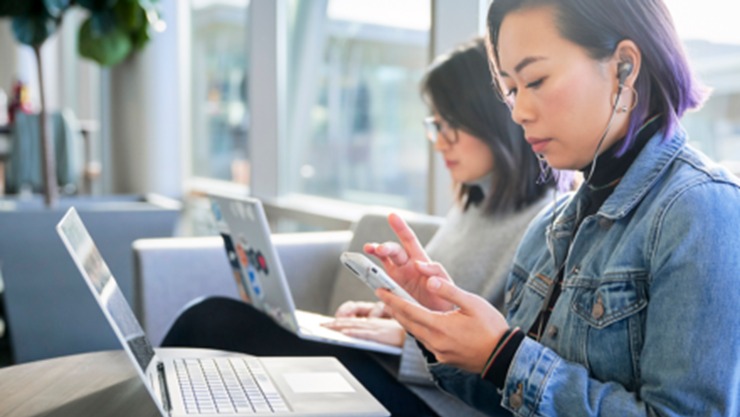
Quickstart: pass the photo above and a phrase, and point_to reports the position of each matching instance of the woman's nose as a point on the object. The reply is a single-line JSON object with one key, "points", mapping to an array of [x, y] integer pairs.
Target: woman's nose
{"points": [[521, 110], [441, 145]]}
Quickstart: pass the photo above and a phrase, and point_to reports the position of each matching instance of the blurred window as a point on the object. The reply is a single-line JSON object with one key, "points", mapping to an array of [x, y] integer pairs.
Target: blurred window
{"points": [[714, 51], [354, 119], [219, 70]]}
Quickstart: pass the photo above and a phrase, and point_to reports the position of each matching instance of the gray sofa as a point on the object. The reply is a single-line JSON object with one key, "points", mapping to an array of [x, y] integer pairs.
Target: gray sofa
{"points": [[170, 273], [50, 311]]}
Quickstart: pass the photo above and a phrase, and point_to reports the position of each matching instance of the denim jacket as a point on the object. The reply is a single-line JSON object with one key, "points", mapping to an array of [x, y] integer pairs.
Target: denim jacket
{"points": [[648, 321]]}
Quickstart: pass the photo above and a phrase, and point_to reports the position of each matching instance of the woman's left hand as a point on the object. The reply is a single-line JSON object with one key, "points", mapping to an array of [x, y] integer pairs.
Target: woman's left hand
{"points": [[380, 330], [463, 337], [362, 309]]}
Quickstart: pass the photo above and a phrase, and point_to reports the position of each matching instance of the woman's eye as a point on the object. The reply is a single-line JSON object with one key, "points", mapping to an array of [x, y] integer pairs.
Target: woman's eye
{"points": [[535, 84], [511, 92]]}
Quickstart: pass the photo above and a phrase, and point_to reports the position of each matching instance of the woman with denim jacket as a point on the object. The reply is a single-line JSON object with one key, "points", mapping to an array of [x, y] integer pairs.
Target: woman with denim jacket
{"points": [[623, 296], [497, 194]]}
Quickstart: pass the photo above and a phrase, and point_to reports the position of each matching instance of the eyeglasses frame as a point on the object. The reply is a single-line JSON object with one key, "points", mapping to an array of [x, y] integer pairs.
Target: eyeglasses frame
{"points": [[434, 129]]}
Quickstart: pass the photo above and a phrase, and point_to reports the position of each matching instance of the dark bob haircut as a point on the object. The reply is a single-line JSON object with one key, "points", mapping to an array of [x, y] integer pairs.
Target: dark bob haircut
{"points": [[459, 86], [665, 84]]}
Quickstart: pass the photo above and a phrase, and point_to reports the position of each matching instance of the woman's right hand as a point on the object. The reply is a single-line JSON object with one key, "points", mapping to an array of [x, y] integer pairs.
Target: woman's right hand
{"points": [[463, 337], [409, 265]]}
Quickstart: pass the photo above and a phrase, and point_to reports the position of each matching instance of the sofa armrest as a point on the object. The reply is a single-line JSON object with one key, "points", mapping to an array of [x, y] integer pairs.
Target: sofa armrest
{"points": [[310, 262], [169, 273]]}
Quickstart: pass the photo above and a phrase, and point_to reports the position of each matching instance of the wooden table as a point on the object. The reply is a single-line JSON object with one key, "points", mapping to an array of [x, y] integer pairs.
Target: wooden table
{"points": [[87, 384]]}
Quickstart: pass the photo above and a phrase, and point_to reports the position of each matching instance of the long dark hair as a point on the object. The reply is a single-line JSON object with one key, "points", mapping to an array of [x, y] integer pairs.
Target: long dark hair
{"points": [[460, 88], [665, 84]]}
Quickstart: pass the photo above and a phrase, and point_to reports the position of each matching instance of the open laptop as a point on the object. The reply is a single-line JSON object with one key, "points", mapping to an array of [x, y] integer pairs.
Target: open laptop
{"points": [[201, 382], [243, 225]]}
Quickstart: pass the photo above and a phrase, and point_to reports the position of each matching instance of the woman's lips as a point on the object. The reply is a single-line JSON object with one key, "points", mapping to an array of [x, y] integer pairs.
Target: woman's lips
{"points": [[450, 164], [538, 145]]}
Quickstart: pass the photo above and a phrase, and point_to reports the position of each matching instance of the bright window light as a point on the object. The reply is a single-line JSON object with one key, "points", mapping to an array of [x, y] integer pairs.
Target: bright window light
{"points": [[406, 14], [204, 4], [709, 20]]}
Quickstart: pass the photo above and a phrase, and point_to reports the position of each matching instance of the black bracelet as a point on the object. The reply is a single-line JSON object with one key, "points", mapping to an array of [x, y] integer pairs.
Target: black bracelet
{"points": [[498, 363]]}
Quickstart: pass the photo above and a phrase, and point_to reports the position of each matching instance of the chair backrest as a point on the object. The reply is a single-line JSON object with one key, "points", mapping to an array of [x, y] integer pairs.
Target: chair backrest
{"points": [[158, 263], [373, 227], [23, 168], [49, 308]]}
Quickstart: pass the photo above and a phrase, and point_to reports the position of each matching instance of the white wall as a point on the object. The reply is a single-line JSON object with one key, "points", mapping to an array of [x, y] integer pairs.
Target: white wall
{"points": [[148, 111], [8, 50]]}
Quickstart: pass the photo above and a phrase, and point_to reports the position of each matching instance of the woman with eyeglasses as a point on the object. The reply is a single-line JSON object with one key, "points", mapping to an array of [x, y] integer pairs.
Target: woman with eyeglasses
{"points": [[623, 297], [499, 189]]}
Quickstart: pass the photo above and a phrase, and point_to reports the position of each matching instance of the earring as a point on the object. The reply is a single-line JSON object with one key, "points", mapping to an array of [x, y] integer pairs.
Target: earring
{"points": [[635, 99], [545, 170]]}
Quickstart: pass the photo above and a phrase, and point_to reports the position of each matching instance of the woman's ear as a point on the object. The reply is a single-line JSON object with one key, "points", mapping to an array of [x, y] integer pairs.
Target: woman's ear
{"points": [[628, 60]]}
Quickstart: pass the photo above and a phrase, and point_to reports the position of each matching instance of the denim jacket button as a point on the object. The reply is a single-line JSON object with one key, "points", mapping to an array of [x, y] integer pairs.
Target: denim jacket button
{"points": [[597, 311], [516, 400]]}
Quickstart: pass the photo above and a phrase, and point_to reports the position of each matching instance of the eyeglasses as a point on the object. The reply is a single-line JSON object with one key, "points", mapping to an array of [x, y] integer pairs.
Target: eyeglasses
{"points": [[435, 129]]}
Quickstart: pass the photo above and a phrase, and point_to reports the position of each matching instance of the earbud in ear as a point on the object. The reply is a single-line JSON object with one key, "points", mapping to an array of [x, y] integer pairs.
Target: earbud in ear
{"points": [[624, 69]]}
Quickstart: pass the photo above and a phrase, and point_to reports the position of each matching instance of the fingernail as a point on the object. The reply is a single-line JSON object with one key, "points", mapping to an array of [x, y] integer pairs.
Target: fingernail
{"points": [[434, 283], [424, 265]]}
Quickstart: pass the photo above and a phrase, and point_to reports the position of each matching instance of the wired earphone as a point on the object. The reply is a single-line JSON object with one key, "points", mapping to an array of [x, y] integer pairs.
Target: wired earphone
{"points": [[624, 69]]}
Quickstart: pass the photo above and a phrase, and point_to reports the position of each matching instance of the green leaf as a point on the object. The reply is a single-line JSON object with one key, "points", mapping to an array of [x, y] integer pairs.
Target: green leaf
{"points": [[140, 37], [33, 30], [14, 7], [107, 49], [102, 22], [56, 7], [97, 5], [130, 15]]}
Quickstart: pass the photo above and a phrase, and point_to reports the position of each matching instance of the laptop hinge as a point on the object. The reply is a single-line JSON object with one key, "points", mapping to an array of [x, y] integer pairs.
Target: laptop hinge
{"points": [[164, 392]]}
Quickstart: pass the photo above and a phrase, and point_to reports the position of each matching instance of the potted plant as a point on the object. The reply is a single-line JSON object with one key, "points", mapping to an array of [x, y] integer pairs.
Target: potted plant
{"points": [[49, 311], [113, 30]]}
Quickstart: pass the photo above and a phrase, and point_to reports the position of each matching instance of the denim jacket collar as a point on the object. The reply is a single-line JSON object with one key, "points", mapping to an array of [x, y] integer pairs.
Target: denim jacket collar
{"points": [[647, 168], [652, 162], [641, 176]]}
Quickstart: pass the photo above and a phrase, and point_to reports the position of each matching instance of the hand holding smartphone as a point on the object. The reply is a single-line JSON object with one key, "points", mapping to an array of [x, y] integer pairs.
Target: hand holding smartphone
{"points": [[372, 275]]}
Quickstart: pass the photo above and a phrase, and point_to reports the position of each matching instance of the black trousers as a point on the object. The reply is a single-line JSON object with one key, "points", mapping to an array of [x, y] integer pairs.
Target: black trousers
{"points": [[232, 325]]}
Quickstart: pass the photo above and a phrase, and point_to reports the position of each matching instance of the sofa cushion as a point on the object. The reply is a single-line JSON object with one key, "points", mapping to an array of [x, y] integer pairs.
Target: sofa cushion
{"points": [[173, 272]]}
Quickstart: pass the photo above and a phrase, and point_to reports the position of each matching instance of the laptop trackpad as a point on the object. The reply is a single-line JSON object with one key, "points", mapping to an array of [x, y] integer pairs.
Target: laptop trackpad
{"points": [[317, 382]]}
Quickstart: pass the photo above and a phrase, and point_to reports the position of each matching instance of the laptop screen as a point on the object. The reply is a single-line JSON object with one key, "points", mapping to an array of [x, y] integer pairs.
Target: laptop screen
{"points": [[100, 280]]}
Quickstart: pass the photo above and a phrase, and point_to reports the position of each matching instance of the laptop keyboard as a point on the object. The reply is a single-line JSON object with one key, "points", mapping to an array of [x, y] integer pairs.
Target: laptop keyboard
{"points": [[227, 386]]}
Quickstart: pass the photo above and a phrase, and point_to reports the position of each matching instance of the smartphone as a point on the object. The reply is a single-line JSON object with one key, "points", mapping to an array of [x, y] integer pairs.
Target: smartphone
{"points": [[372, 275]]}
